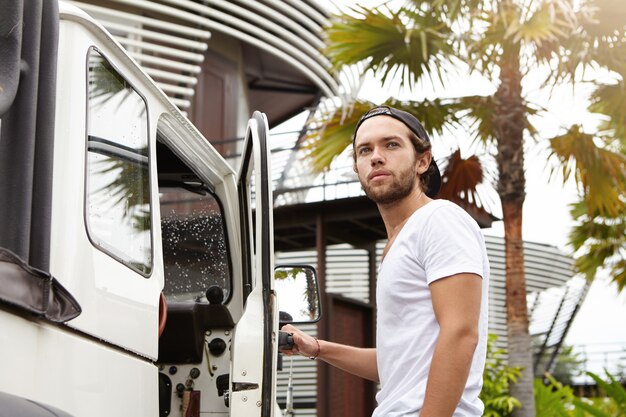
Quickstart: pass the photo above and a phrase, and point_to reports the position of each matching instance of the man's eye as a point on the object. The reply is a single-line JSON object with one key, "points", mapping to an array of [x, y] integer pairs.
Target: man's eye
{"points": [[392, 145], [363, 150]]}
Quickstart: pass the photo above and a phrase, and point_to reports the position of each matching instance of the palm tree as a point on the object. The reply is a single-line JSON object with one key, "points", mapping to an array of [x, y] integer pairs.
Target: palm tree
{"points": [[501, 40]]}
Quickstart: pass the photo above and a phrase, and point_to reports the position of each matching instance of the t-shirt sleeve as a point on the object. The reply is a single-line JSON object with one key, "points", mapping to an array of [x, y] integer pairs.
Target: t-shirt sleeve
{"points": [[451, 244]]}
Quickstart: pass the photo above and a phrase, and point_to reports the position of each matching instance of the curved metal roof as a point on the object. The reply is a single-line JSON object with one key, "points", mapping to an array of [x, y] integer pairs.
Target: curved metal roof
{"points": [[169, 37]]}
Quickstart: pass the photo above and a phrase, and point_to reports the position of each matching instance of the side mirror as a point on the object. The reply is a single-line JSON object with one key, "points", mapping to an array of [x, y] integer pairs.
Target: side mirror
{"points": [[298, 294]]}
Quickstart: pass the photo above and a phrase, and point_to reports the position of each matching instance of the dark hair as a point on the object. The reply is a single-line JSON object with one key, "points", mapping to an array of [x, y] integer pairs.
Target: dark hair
{"points": [[420, 145]]}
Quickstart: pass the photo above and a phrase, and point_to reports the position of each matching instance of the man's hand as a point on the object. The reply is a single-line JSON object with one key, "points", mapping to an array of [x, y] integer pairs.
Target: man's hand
{"points": [[357, 361], [303, 344]]}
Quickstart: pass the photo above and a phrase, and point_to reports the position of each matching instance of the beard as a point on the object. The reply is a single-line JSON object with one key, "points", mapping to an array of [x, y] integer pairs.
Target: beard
{"points": [[402, 185]]}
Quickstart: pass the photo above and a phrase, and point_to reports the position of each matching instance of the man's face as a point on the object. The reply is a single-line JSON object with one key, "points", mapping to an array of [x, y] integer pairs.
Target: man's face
{"points": [[386, 162]]}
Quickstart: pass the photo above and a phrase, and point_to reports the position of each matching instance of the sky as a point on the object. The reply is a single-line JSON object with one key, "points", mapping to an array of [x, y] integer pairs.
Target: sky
{"points": [[600, 320]]}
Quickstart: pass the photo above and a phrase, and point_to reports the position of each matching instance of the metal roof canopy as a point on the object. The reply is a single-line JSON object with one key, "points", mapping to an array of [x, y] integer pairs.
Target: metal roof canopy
{"points": [[354, 220]]}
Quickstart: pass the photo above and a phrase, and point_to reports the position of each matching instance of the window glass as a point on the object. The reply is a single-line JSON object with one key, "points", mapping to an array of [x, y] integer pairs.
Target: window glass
{"points": [[195, 250], [118, 213]]}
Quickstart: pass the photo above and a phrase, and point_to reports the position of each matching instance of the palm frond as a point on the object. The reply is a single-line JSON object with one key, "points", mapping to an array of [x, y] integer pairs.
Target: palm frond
{"points": [[598, 37], [450, 8], [434, 114], [460, 180], [461, 177], [610, 100], [481, 112], [600, 172], [484, 47], [330, 133], [123, 186], [544, 25], [405, 44], [600, 242], [605, 18]]}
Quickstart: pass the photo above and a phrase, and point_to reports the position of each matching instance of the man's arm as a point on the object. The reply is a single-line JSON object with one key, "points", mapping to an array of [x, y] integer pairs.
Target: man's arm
{"points": [[456, 302], [357, 361]]}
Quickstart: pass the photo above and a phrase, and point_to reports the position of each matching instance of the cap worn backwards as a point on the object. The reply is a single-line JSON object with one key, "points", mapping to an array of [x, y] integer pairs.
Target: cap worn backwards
{"points": [[410, 121]]}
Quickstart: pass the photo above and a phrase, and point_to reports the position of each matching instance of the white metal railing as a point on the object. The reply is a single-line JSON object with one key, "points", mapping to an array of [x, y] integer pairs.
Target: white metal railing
{"points": [[598, 357]]}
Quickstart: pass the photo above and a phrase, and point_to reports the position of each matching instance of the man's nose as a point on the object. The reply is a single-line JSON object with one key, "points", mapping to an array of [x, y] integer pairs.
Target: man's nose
{"points": [[377, 157]]}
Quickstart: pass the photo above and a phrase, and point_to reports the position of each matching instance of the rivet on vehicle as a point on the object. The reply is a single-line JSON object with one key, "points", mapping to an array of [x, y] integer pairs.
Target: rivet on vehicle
{"points": [[244, 399], [258, 403], [244, 373]]}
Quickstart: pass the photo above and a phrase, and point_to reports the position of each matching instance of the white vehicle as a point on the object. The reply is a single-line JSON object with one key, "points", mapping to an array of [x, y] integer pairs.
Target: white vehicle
{"points": [[136, 267]]}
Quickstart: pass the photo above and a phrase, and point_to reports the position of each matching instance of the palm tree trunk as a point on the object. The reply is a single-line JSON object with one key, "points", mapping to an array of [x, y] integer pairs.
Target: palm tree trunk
{"points": [[509, 133], [519, 347]]}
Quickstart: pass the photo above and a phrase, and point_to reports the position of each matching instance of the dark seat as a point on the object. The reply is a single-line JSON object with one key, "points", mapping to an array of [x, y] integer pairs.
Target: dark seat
{"points": [[183, 337]]}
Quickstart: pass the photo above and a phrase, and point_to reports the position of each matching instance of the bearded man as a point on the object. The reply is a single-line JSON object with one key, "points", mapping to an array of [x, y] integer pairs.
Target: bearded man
{"points": [[432, 286]]}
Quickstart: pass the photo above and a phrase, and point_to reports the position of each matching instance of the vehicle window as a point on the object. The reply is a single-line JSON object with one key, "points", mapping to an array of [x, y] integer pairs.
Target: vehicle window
{"points": [[117, 202], [195, 249]]}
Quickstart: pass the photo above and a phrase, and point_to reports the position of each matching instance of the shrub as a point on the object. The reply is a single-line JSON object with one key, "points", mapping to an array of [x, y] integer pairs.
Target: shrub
{"points": [[496, 379]]}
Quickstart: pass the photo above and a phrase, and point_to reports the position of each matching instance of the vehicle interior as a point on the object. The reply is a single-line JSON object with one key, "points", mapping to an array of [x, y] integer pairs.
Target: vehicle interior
{"points": [[198, 282]]}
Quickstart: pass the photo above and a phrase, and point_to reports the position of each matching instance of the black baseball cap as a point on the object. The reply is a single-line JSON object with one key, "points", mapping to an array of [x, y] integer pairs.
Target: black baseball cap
{"points": [[410, 121]]}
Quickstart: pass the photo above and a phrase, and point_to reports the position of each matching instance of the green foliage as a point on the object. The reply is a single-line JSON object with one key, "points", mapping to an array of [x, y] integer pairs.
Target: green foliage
{"points": [[596, 407], [609, 100], [601, 242], [334, 135], [599, 165], [600, 171], [434, 114], [552, 400], [480, 112], [613, 390], [387, 45], [557, 400], [497, 378], [568, 365], [284, 273]]}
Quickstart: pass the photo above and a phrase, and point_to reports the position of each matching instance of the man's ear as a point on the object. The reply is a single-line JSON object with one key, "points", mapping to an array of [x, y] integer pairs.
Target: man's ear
{"points": [[423, 162]]}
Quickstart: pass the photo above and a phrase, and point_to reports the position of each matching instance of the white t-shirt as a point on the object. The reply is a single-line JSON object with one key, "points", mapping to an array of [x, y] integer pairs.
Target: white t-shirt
{"points": [[437, 241]]}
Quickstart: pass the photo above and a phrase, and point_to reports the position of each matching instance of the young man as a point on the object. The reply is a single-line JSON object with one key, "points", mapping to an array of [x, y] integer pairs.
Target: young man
{"points": [[432, 282]]}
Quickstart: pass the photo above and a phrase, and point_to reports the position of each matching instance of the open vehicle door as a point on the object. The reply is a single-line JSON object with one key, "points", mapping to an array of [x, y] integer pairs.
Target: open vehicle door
{"points": [[254, 348]]}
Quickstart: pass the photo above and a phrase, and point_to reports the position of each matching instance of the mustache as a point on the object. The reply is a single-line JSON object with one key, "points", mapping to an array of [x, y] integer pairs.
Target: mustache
{"points": [[378, 172]]}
